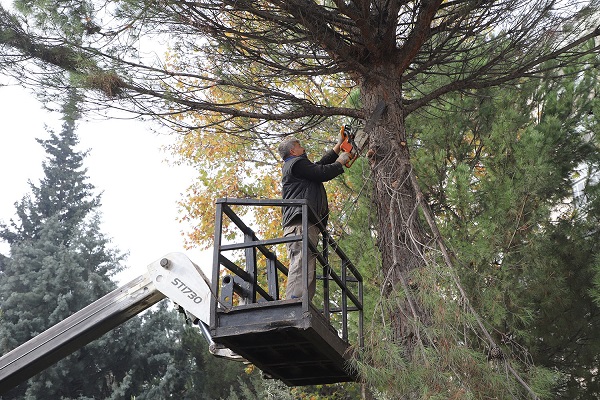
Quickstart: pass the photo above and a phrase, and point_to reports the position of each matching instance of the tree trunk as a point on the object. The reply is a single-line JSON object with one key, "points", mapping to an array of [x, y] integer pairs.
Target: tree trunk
{"points": [[400, 234]]}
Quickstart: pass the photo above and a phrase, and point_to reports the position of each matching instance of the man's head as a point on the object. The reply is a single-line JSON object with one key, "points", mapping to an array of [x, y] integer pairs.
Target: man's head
{"points": [[290, 147]]}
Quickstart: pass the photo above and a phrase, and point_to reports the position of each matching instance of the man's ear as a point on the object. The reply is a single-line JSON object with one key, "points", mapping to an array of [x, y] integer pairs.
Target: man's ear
{"points": [[293, 151]]}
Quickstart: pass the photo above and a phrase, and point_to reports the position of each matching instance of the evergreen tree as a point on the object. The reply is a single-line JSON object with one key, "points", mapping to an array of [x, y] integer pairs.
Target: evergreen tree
{"points": [[499, 174], [63, 193], [60, 262]]}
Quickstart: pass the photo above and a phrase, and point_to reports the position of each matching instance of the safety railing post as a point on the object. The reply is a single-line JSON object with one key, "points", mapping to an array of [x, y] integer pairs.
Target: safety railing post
{"points": [[251, 268], [216, 264], [306, 256], [326, 277], [344, 300]]}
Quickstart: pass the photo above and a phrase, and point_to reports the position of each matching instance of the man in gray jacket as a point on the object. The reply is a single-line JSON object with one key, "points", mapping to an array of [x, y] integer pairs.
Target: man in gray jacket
{"points": [[303, 179]]}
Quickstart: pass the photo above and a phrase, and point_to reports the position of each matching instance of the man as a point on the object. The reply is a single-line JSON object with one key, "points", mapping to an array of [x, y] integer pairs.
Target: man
{"points": [[302, 179]]}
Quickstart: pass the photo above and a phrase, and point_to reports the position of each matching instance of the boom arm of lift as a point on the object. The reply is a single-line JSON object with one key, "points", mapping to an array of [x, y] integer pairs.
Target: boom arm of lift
{"points": [[174, 276]]}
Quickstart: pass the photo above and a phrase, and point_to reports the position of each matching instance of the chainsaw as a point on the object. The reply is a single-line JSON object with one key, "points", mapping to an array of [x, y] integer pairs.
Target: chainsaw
{"points": [[355, 139]]}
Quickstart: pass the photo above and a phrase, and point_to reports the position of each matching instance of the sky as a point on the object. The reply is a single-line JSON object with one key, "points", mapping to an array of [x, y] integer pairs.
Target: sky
{"points": [[126, 162]]}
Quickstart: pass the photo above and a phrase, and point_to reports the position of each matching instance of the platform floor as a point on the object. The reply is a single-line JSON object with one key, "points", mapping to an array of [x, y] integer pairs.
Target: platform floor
{"points": [[285, 343]]}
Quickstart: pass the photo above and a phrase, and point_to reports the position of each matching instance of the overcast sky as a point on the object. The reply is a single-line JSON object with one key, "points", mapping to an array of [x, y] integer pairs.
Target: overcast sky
{"points": [[140, 189]]}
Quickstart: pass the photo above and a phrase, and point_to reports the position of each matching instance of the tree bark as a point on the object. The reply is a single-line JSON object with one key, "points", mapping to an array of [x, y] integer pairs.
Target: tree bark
{"points": [[400, 233]]}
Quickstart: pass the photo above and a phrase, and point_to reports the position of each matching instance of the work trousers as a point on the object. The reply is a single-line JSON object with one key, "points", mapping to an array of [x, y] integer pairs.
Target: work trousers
{"points": [[294, 249]]}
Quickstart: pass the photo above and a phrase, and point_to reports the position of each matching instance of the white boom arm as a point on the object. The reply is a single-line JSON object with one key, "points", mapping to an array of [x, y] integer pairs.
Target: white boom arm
{"points": [[173, 276]]}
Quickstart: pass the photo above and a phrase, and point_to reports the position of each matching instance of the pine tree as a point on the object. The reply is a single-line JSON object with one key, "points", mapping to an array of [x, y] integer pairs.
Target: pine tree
{"points": [[499, 174]]}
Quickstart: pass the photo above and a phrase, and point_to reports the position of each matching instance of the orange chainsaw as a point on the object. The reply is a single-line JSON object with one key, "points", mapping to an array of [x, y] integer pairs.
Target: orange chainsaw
{"points": [[355, 139]]}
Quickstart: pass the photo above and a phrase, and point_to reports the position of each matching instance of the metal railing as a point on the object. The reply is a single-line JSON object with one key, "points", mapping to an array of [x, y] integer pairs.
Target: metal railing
{"points": [[256, 275]]}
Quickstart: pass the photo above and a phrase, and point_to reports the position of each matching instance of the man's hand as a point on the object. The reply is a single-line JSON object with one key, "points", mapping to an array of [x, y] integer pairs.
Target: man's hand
{"points": [[343, 158], [340, 138], [337, 146]]}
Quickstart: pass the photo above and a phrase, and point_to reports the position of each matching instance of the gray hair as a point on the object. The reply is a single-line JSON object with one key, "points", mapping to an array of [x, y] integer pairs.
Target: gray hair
{"points": [[286, 146]]}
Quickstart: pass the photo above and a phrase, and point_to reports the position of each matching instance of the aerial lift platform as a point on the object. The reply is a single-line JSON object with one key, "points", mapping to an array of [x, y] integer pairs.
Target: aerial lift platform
{"points": [[239, 310]]}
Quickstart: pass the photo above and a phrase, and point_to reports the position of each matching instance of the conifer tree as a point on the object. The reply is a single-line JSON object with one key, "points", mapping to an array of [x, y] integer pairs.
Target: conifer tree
{"points": [[499, 175], [60, 262]]}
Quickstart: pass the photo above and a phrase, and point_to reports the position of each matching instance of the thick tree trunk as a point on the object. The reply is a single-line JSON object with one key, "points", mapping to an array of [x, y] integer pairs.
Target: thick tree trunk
{"points": [[400, 234]]}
